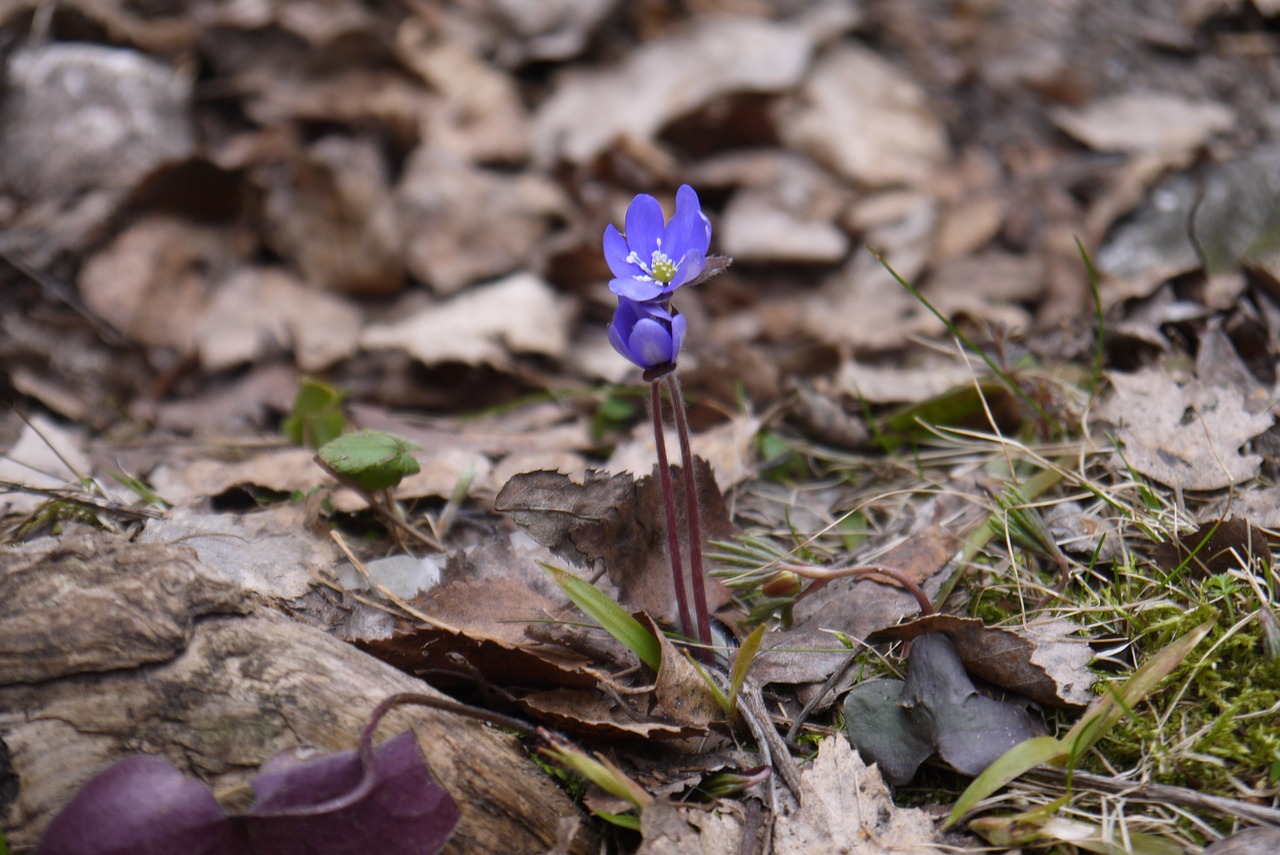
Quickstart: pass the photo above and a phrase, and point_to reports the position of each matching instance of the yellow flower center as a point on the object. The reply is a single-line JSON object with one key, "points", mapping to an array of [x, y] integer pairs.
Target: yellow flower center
{"points": [[661, 267]]}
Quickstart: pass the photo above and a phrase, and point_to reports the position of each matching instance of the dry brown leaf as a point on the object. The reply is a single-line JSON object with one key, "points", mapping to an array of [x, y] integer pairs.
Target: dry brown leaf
{"points": [[1147, 121], [153, 280], [519, 314], [1218, 546], [680, 692], [1042, 662], [728, 448], [464, 224], [865, 119], [863, 305], [442, 469], [808, 653], [897, 383], [1186, 435], [256, 310], [281, 471], [591, 111], [988, 286], [586, 713], [758, 228], [620, 522], [674, 829], [842, 799], [481, 116], [330, 213]]}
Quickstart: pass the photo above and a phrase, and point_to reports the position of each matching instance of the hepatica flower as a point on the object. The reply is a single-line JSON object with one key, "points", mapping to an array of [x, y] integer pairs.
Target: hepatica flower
{"points": [[648, 334], [654, 258]]}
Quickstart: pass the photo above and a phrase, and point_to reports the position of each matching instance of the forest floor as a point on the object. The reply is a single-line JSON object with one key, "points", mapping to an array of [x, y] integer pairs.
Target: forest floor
{"points": [[1003, 316]]}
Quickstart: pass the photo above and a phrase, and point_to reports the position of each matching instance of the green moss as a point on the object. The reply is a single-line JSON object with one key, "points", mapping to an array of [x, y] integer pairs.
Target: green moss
{"points": [[1213, 721]]}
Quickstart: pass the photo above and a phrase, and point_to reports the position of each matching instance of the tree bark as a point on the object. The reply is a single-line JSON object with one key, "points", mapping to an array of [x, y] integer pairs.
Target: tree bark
{"points": [[109, 648]]}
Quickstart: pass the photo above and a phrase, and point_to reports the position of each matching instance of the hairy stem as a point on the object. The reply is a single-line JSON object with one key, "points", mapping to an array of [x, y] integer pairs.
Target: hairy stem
{"points": [[696, 576], [823, 575], [669, 501]]}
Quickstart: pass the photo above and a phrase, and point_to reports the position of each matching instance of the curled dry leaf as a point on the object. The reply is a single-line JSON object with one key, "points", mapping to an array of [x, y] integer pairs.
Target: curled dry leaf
{"points": [[585, 712], [1041, 662], [680, 692], [478, 621]]}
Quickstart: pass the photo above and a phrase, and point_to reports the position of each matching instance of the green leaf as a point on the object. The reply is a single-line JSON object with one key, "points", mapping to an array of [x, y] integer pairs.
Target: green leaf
{"points": [[623, 820], [372, 459], [611, 616], [722, 700], [1021, 758], [599, 771], [742, 664], [317, 416]]}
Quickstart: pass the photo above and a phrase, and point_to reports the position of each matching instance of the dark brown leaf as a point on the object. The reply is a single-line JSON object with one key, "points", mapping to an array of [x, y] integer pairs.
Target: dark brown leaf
{"points": [[1041, 663]]}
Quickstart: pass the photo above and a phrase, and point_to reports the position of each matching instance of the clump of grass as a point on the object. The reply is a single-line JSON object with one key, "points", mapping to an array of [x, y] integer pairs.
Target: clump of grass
{"points": [[1208, 727]]}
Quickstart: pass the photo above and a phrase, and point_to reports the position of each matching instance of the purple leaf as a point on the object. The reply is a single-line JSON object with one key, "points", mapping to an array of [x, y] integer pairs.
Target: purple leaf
{"points": [[309, 808], [141, 806]]}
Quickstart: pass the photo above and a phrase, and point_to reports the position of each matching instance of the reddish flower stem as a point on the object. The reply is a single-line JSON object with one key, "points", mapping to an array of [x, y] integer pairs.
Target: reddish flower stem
{"points": [[696, 576], [823, 575], [669, 501]]}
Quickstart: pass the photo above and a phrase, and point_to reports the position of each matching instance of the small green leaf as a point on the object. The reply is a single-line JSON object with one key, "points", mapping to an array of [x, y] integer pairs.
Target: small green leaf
{"points": [[372, 459], [1021, 758], [611, 616], [317, 416], [598, 770], [622, 820], [742, 664]]}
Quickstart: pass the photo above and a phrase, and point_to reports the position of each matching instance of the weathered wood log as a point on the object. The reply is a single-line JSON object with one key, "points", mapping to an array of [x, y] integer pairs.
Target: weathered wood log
{"points": [[109, 648]]}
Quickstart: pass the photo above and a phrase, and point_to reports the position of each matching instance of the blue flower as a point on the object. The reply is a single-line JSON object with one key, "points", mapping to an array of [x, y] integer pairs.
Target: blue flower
{"points": [[648, 334], [654, 259]]}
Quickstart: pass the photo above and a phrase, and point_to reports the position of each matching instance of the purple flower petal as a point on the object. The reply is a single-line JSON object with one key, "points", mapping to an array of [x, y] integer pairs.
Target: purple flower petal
{"points": [[615, 253], [689, 230], [650, 343], [688, 268], [678, 327], [644, 226], [639, 290]]}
